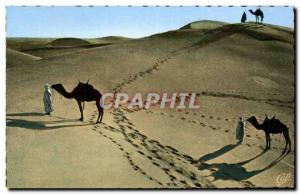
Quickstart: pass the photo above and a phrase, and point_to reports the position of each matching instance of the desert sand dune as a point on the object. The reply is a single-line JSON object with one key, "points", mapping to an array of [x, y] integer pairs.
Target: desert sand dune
{"points": [[236, 70], [14, 58], [204, 25], [52, 47], [69, 42], [109, 39]]}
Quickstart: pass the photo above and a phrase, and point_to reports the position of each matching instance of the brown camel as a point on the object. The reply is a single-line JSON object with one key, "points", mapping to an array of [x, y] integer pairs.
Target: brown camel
{"points": [[258, 14], [83, 92], [274, 126]]}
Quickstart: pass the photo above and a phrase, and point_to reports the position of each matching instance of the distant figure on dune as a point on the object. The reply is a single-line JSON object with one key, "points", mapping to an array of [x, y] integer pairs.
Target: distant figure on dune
{"points": [[47, 99], [258, 14], [240, 131], [244, 18]]}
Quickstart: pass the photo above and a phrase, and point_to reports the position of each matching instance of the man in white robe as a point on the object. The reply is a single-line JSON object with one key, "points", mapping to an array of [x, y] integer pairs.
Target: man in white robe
{"points": [[240, 131], [48, 99]]}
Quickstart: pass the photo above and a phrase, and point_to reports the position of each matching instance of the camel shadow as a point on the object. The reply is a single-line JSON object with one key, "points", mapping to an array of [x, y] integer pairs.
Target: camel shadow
{"points": [[236, 171], [36, 125]]}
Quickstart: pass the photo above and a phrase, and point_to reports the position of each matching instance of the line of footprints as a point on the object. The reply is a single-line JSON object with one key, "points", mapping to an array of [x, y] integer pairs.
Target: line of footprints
{"points": [[171, 161], [205, 124], [155, 67]]}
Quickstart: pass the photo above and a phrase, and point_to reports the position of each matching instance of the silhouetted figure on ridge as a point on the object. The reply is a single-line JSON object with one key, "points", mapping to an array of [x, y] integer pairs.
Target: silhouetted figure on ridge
{"points": [[244, 18]]}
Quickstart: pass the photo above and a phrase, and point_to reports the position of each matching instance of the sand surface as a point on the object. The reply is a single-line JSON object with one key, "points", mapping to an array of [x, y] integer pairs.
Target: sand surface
{"points": [[236, 70]]}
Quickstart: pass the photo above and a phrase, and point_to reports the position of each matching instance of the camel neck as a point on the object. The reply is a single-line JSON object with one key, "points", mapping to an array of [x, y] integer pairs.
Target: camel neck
{"points": [[66, 94], [256, 124], [251, 12]]}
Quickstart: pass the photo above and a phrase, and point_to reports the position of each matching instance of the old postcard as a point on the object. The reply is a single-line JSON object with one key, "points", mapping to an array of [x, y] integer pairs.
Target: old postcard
{"points": [[187, 97]]}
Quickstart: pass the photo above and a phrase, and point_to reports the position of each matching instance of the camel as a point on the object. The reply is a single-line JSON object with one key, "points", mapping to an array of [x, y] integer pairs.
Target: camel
{"points": [[274, 126], [258, 14], [83, 92]]}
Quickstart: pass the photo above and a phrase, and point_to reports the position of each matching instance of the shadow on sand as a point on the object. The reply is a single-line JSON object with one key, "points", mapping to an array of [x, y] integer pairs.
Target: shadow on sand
{"points": [[233, 171], [218, 153], [26, 114], [39, 125]]}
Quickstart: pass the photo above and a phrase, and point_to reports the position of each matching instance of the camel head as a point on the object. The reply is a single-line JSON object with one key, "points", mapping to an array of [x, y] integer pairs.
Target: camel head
{"points": [[251, 119], [250, 10], [61, 90], [58, 87], [55, 86], [254, 122]]}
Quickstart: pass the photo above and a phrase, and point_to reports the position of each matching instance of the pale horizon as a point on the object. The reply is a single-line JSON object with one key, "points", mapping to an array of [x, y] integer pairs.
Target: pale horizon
{"points": [[129, 22]]}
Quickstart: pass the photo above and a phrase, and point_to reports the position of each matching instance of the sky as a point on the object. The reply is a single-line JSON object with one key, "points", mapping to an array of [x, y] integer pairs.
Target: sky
{"points": [[133, 22]]}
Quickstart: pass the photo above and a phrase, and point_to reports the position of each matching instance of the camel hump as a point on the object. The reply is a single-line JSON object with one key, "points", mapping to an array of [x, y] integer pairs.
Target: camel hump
{"points": [[89, 87], [85, 86], [84, 89], [277, 125]]}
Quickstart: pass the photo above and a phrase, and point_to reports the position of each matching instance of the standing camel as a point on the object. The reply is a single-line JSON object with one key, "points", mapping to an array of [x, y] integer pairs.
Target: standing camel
{"points": [[258, 14], [83, 92], [272, 126]]}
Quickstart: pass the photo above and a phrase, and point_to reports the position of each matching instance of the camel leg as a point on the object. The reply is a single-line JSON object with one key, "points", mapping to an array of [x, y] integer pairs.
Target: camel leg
{"points": [[101, 115], [285, 146], [100, 112], [287, 141], [267, 141], [81, 111]]}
